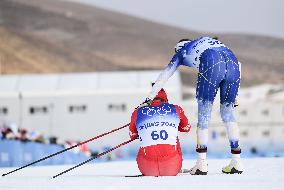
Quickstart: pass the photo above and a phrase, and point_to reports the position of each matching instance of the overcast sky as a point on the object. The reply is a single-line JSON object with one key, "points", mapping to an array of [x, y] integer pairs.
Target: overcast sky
{"points": [[264, 17]]}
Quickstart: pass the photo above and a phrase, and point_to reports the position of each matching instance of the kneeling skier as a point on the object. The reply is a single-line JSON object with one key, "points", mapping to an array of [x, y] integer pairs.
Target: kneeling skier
{"points": [[157, 126]]}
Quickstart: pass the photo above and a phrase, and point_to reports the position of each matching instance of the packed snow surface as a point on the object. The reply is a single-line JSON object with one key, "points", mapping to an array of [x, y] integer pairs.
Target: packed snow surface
{"points": [[260, 173]]}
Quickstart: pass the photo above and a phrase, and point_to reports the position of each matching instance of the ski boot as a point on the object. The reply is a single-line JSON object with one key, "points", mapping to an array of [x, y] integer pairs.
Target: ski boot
{"points": [[200, 168], [235, 167]]}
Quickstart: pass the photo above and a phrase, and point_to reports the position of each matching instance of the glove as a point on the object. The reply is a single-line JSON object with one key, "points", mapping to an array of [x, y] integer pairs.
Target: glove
{"points": [[147, 102], [236, 104]]}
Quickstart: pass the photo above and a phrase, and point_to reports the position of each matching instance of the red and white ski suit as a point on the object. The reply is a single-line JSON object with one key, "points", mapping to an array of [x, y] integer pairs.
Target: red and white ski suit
{"points": [[160, 153]]}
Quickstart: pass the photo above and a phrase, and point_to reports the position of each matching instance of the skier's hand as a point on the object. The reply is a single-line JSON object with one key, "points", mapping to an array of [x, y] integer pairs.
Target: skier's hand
{"points": [[236, 104], [146, 102]]}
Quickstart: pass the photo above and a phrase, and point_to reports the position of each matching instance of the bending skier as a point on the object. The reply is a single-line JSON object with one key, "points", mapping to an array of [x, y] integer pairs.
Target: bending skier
{"points": [[157, 126], [218, 68]]}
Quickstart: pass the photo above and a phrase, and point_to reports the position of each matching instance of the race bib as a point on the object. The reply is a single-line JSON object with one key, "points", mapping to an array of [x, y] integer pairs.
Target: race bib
{"points": [[157, 125]]}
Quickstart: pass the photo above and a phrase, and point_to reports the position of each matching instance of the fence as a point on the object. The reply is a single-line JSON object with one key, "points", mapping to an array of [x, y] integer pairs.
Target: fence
{"points": [[16, 153]]}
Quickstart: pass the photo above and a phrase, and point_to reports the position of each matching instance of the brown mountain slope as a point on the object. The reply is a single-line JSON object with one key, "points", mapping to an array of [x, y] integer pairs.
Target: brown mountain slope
{"points": [[44, 36]]}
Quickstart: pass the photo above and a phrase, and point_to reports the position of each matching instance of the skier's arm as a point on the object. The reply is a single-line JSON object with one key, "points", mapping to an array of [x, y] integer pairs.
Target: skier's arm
{"points": [[133, 133], [164, 76], [184, 126]]}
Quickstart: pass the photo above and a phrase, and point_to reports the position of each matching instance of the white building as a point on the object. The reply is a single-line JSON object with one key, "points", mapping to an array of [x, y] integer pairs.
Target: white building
{"points": [[77, 106], [83, 105]]}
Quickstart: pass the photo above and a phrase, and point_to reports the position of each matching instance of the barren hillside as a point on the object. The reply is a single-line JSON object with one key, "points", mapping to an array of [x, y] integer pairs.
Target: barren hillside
{"points": [[46, 36]]}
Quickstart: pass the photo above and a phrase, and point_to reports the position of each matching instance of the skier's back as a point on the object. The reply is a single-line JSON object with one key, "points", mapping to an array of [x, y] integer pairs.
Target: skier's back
{"points": [[157, 126]]}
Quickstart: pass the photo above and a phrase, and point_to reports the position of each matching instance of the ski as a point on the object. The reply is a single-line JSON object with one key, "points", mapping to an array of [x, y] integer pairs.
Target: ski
{"points": [[134, 175], [184, 171]]}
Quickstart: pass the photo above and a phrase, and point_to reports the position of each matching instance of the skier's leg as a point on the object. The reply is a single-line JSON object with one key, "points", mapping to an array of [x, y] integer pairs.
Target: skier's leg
{"points": [[170, 165], [211, 73], [231, 125], [204, 114], [228, 118], [228, 92], [148, 166]]}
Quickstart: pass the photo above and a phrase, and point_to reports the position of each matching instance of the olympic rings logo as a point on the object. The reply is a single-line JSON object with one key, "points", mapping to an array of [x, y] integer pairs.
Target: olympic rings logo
{"points": [[164, 110]]}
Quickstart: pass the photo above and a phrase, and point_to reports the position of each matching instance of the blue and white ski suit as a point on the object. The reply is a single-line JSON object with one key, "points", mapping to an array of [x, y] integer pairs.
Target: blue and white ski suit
{"points": [[217, 68]]}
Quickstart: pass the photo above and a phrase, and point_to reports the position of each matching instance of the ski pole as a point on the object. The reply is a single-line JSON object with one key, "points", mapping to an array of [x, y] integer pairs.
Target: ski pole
{"points": [[99, 155], [81, 143]]}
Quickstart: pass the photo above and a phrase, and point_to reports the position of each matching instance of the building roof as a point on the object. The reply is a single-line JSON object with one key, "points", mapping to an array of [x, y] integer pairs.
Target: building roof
{"points": [[84, 82]]}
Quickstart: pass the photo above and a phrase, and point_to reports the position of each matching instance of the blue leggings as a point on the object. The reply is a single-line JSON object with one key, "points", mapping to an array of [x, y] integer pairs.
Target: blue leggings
{"points": [[204, 113], [218, 69]]}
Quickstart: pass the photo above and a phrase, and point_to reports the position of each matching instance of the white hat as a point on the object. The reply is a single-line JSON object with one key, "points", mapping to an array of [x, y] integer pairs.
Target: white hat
{"points": [[181, 44]]}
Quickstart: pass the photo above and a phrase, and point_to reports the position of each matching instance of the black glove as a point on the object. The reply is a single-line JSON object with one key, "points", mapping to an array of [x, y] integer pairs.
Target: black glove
{"points": [[236, 104], [147, 102]]}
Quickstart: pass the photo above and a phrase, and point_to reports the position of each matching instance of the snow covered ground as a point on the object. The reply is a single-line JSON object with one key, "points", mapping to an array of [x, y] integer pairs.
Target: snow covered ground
{"points": [[261, 173]]}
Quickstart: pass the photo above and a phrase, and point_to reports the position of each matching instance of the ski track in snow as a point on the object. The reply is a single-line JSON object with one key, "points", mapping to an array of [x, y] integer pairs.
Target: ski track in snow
{"points": [[260, 173]]}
